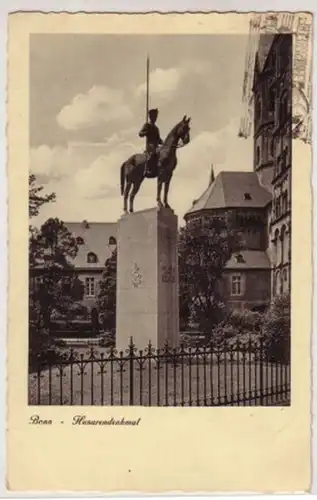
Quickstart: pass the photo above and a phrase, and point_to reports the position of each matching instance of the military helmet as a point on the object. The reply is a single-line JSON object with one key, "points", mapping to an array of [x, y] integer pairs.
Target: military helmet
{"points": [[153, 111]]}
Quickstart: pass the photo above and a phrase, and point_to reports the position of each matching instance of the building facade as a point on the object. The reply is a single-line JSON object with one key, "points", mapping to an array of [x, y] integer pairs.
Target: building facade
{"points": [[260, 201], [97, 240], [273, 148], [240, 197]]}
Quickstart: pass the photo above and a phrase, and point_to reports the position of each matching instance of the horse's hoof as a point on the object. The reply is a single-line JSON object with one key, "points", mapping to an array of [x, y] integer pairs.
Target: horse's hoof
{"points": [[166, 205]]}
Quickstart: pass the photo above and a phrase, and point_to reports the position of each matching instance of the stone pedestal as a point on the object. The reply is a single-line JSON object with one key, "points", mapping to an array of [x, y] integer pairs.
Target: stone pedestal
{"points": [[147, 279]]}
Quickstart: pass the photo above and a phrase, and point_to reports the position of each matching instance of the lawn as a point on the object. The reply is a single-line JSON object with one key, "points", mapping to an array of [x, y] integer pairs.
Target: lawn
{"points": [[200, 382]]}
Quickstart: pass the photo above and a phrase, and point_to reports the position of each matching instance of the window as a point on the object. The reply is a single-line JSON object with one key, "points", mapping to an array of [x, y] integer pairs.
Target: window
{"points": [[80, 240], [247, 196], [112, 240], [278, 207], [278, 283], [285, 157], [272, 147], [283, 109], [285, 274], [284, 202], [90, 287], [281, 287], [239, 258], [236, 287], [282, 237], [92, 258], [271, 101], [257, 157]]}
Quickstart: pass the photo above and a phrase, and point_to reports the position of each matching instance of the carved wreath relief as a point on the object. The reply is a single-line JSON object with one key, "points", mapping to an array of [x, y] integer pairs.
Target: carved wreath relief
{"points": [[168, 274], [136, 276]]}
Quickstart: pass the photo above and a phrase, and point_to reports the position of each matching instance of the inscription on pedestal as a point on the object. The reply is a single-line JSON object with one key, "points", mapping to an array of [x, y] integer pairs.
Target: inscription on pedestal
{"points": [[168, 274]]}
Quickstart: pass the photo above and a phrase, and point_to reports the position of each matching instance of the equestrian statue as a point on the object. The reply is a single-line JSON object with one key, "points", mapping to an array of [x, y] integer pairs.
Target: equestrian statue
{"points": [[158, 161]]}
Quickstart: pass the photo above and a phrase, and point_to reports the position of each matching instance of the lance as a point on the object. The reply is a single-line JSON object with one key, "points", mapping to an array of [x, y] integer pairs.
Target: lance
{"points": [[147, 87], [147, 102]]}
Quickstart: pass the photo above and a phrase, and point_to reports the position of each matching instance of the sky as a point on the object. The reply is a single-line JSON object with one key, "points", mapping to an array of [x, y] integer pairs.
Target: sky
{"points": [[87, 104]]}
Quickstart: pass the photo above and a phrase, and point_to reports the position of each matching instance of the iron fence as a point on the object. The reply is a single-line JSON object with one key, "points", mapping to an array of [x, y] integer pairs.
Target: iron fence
{"points": [[226, 375]]}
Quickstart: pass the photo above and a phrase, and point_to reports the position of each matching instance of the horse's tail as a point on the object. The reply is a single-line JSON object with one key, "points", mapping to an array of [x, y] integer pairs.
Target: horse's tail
{"points": [[122, 177]]}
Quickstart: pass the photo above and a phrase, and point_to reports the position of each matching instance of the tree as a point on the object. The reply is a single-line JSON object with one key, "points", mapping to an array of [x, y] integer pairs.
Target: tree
{"points": [[57, 286], [205, 246], [239, 326], [36, 199], [277, 329], [53, 285], [107, 293]]}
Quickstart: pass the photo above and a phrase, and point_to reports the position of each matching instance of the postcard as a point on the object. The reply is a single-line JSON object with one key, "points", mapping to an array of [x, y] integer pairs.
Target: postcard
{"points": [[160, 242]]}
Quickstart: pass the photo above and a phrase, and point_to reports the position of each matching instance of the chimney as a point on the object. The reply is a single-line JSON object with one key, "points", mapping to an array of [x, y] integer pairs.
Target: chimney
{"points": [[85, 224], [212, 176]]}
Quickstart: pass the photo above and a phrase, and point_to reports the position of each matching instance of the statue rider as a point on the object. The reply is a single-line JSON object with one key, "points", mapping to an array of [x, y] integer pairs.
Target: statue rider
{"points": [[153, 140]]}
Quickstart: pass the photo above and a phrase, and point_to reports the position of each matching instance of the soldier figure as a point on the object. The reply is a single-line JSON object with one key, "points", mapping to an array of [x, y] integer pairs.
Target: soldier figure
{"points": [[153, 140]]}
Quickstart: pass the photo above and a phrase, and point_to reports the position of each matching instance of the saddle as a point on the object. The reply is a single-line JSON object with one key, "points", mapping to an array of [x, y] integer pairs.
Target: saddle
{"points": [[151, 169]]}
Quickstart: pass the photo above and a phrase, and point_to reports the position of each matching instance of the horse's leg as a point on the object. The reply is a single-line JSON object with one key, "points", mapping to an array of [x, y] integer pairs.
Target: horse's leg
{"points": [[135, 189], [159, 191], [126, 194], [166, 189]]}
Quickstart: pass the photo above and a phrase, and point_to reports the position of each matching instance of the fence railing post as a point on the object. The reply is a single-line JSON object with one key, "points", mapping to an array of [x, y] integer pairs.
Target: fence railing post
{"points": [[131, 370], [261, 372]]}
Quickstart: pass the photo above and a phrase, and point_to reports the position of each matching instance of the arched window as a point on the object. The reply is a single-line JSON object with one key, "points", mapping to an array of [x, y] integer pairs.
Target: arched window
{"points": [[284, 202], [112, 240], [277, 282], [257, 156], [281, 284], [283, 108], [271, 100], [274, 284], [276, 247], [92, 258], [285, 157], [282, 237]]}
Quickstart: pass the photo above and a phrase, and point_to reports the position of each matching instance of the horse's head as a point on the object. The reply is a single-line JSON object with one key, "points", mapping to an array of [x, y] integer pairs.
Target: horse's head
{"points": [[183, 130]]}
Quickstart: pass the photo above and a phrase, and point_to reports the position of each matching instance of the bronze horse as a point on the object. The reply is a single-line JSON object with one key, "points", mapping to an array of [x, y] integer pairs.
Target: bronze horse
{"points": [[132, 171]]}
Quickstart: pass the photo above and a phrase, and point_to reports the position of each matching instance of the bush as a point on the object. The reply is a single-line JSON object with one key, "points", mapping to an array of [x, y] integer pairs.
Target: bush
{"points": [[108, 339], [44, 350], [239, 326], [246, 321], [277, 329]]}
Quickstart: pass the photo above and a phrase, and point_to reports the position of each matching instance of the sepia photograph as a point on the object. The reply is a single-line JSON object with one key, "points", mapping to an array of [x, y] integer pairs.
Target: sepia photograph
{"points": [[160, 214]]}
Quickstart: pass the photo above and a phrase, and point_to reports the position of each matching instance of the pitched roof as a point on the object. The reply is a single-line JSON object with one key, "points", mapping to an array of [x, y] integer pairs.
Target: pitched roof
{"points": [[233, 190], [96, 240], [250, 259]]}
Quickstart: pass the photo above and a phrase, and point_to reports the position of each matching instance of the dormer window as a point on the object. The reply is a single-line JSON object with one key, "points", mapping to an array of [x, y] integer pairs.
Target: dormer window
{"points": [[239, 258], [247, 196], [92, 258]]}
